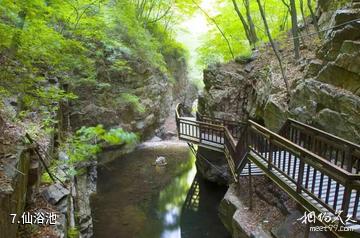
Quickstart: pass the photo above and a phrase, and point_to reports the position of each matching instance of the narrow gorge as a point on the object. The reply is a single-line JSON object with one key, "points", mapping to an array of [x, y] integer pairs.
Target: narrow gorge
{"points": [[179, 119]]}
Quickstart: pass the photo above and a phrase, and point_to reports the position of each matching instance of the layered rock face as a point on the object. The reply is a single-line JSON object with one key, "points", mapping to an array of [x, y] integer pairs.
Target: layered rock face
{"points": [[212, 166], [325, 93], [272, 212], [135, 96], [325, 96], [228, 93], [330, 100]]}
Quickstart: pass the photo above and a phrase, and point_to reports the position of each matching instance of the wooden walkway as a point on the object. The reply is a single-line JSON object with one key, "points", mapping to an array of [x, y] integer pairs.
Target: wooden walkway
{"points": [[314, 182], [318, 170]]}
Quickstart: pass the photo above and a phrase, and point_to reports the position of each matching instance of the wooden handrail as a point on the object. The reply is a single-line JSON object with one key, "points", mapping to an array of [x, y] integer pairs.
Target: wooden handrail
{"points": [[217, 127], [325, 134], [230, 138], [304, 152], [222, 120], [293, 159], [287, 143], [263, 142], [342, 153]]}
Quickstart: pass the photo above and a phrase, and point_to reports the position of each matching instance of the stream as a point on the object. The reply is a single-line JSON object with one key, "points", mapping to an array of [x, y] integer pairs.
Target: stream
{"points": [[136, 199]]}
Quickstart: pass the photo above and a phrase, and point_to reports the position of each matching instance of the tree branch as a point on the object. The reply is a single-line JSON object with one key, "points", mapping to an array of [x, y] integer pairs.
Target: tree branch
{"points": [[218, 27]]}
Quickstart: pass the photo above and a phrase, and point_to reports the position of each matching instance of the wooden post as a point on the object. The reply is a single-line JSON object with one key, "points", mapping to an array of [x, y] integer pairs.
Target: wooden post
{"points": [[346, 200], [301, 175], [348, 158], [250, 186], [270, 154], [313, 143], [177, 124]]}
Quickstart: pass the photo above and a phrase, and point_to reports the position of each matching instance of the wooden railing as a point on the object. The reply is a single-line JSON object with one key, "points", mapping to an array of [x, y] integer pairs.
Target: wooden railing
{"points": [[212, 133], [318, 168], [234, 127], [338, 151], [311, 175], [199, 132]]}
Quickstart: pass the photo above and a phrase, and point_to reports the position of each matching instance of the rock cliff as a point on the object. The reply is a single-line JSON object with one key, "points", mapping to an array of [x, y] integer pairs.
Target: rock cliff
{"points": [[325, 84], [325, 93], [135, 95]]}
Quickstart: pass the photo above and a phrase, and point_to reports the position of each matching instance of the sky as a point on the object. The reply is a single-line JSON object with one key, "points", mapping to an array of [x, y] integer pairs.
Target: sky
{"points": [[190, 33]]}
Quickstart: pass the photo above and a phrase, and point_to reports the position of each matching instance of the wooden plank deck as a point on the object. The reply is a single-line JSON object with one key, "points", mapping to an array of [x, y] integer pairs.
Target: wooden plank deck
{"points": [[191, 132], [319, 187]]}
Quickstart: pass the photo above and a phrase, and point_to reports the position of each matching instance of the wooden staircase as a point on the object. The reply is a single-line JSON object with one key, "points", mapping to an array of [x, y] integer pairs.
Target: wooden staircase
{"points": [[320, 171]]}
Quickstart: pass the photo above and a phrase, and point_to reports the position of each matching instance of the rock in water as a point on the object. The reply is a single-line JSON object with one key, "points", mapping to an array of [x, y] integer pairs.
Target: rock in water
{"points": [[155, 139], [160, 161]]}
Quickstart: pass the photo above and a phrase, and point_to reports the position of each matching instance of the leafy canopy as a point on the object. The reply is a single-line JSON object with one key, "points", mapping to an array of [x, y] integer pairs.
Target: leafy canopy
{"points": [[214, 48]]}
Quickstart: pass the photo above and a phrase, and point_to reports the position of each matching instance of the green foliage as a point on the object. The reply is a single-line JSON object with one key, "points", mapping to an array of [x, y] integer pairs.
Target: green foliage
{"points": [[133, 101], [86, 142], [45, 178], [118, 136], [214, 48], [121, 65], [73, 232], [44, 41]]}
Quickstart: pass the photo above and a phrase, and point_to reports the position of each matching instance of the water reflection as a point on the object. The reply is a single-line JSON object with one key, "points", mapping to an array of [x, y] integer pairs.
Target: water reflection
{"points": [[202, 200], [138, 200], [172, 198]]}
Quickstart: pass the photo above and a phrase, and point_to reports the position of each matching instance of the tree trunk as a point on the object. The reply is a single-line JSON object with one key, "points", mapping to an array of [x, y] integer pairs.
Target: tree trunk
{"points": [[15, 44], [287, 5], [303, 15], [252, 31], [243, 21], [273, 46], [284, 21], [313, 16], [295, 29]]}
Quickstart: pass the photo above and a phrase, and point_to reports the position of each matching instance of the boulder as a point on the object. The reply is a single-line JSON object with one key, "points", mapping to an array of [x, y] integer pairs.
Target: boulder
{"points": [[328, 5], [228, 206], [334, 74], [275, 113], [335, 36], [313, 68], [349, 62], [350, 47], [342, 16], [316, 103], [160, 161], [212, 166], [54, 193], [155, 139], [226, 83], [327, 117], [348, 32]]}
